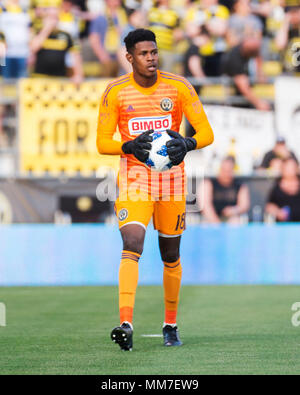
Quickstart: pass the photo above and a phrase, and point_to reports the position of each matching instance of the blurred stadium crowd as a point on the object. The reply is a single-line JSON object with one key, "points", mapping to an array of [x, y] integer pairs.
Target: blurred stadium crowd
{"points": [[245, 40], [195, 38]]}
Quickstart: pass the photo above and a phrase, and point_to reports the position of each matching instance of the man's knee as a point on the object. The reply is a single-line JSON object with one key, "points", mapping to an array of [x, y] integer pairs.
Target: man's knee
{"points": [[133, 241], [170, 256], [169, 248]]}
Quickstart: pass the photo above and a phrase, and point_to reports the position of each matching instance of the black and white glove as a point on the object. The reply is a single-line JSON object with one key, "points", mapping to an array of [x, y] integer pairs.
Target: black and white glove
{"points": [[179, 146], [140, 146]]}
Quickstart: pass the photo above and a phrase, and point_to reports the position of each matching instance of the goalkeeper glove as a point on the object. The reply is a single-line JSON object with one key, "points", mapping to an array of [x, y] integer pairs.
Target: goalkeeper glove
{"points": [[179, 146], [140, 146]]}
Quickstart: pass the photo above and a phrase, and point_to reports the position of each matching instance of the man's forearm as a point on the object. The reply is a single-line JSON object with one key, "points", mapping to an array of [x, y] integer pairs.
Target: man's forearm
{"points": [[210, 214], [38, 40], [98, 49], [245, 89], [109, 147], [204, 138], [272, 209], [281, 38], [78, 67], [195, 114]]}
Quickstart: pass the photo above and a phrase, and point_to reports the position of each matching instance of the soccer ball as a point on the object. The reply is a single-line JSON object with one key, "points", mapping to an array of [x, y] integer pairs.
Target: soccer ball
{"points": [[158, 156]]}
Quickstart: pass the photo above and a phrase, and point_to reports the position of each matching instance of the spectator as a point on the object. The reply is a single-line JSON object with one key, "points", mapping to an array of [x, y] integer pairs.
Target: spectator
{"points": [[2, 46], [14, 48], [243, 24], [193, 60], [49, 48], [39, 9], [68, 22], [212, 18], [3, 137], [234, 63], [83, 16], [205, 25], [272, 15], [80, 10], [284, 200], [273, 159], [225, 199], [165, 23], [136, 19], [228, 4], [105, 32], [288, 40], [14, 26]]}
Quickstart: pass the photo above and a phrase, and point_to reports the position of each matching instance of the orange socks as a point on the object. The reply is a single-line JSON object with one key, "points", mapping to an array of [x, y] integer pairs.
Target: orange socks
{"points": [[172, 281], [128, 280]]}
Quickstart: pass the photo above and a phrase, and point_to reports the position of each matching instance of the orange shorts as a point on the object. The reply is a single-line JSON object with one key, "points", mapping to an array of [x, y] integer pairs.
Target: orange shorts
{"points": [[168, 216]]}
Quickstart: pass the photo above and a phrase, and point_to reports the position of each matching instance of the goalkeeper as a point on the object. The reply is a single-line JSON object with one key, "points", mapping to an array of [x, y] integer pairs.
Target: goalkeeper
{"points": [[147, 99]]}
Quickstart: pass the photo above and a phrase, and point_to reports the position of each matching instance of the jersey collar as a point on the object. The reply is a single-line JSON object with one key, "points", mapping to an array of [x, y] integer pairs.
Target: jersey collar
{"points": [[146, 91]]}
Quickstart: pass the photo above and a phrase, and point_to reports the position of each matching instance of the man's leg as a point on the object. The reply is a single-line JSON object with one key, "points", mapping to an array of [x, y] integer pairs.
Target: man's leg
{"points": [[134, 217], [133, 236], [169, 220], [169, 250]]}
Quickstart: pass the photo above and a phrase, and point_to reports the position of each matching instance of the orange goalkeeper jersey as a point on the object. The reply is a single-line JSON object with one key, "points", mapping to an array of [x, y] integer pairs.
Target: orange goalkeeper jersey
{"points": [[135, 109]]}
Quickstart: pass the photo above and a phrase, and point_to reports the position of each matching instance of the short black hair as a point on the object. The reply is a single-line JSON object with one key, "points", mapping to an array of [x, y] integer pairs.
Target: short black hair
{"points": [[137, 36], [229, 158]]}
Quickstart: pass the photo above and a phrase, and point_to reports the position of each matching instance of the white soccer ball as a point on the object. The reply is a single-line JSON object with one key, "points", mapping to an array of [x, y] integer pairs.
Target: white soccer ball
{"points": [[158, 156]]}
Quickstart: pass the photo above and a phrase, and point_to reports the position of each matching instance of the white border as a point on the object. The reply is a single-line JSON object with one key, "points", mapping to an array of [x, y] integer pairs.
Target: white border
{"points": [[168, 236], [134, 222]]}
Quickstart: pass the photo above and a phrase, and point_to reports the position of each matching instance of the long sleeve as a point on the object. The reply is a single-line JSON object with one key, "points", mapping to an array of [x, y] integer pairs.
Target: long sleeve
{"points": [[194, 111], [107, 125]]}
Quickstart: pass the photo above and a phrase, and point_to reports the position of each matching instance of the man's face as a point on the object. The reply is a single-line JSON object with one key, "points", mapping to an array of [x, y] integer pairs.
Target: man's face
{"points": [[67, 5], [226, 170], [242, 7], [290, 168], [294, 16], [208, 3], [144, 58], [113, 3]]}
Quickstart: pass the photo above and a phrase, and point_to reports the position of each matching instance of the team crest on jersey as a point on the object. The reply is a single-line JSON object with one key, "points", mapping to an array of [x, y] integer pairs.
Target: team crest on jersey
{"points": [[123, 214], [166, 104]]}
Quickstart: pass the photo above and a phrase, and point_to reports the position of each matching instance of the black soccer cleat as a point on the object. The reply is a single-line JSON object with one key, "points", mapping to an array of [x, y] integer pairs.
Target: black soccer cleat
{"points": [[171, 336], [123, 336]]}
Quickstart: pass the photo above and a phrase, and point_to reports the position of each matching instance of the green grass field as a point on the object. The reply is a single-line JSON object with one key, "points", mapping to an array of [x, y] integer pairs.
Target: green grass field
{"points": [[225, 330]]}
